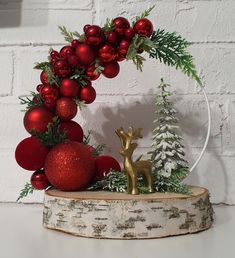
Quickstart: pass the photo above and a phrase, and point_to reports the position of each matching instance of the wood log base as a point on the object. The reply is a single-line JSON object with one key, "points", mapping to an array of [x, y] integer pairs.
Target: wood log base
{"points": [[122, 216]]}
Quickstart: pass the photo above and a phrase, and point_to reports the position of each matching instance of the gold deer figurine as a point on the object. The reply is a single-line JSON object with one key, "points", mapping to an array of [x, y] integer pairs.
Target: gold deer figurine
{"points": [[131, 168]]}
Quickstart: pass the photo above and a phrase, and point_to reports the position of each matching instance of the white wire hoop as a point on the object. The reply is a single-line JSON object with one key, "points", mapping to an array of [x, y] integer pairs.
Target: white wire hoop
{"points": [[208, 132]]}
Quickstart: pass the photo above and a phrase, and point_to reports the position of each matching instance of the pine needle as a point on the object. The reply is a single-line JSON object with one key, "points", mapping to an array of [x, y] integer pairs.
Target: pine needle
{"points": [[28, 189], [68, 36]]}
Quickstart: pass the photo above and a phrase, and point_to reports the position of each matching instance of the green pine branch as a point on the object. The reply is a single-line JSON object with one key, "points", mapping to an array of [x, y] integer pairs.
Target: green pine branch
{"points": [[144, 14], [68, 36], [81, 37], [108, 26], [28, 189], [29, 101], [42, 65], [171, 49]]}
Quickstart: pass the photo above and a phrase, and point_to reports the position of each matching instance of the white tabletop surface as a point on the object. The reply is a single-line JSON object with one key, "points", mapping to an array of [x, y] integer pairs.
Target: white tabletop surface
{"points": [[22, 236]]}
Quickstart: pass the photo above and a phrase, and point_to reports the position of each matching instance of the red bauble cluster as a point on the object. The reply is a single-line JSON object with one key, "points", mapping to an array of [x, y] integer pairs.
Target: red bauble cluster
{"points": [[66, 80]]}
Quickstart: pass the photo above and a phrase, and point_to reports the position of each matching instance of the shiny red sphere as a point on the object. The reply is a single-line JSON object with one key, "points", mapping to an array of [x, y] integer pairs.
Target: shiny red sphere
{"points": [[73, 60], [94, 35], [30, 153], [66, 109], [103, 165], [120, 25], [69, 88], [66, 51], [129, 33], [85, 54], [75, 43], [86, 27], [44, 77], [144, 27], [39, 87], [90, 72], [54, 54], [69, 166], [48, 91], [87, 94], [107, 53], [122, 49], [73, 131], [36, 119], [39, 180], [112, 38], [111, 69], [61, 68]]}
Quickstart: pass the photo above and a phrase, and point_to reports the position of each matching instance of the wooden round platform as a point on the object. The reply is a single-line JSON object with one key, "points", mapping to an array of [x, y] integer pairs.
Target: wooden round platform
{"points": [[122, 216]]}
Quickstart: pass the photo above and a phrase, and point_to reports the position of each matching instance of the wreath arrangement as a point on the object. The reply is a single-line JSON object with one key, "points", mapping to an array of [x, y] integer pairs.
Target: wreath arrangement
{"points": [[57, 151]]}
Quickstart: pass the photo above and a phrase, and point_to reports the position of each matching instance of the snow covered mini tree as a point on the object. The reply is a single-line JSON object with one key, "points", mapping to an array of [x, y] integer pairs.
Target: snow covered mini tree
{"points": [[169, 164]]}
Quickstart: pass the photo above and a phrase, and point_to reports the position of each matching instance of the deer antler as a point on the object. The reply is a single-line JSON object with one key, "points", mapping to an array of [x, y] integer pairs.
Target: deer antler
{"points": [[134, 133]]}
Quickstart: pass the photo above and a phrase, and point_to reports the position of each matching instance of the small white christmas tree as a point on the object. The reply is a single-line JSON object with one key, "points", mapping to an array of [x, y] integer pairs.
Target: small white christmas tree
{"points": [[169, 165]]}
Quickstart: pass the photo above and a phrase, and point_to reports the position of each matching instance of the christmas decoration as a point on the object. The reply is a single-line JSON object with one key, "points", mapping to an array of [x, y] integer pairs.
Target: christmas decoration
{"points": [[70, 166], [73, 131], [132, 169], [39, 180], [69, 88], [66, 109], [111, 69], [30, 153], [87, 94], [104, 164]]}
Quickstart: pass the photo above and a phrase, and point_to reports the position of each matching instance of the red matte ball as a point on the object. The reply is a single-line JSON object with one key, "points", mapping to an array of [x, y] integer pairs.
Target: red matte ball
{"points": [[66, 108], [69, 88], [73, 131], [37, 119], [87, 94], [30, 153], [104, 164], [85, 54], [69, 166], [39, 180], [111, 69], [143, 27]]}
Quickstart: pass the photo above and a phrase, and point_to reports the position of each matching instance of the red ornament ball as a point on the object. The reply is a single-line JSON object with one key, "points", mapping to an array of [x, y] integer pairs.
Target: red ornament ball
{"points": [[73, 131], [61, 68], [39, 87], [75, 43], [112, 38], [73, 60], [36, 119], [66, 108], [85, 54], [87, 94], [120, 25], [103, 165], [66, 51], [107, 53], [144, 27], [30, 153], [69, 166], [69, 88], [129, 33], [48, 91], [91, 73], [111, 69], [54, 54], [39, 180], [94, 35], [44, 77]]}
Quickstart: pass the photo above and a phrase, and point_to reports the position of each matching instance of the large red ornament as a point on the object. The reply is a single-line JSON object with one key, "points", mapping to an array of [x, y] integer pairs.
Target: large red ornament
{"points": [[61, 68], [69, 88], [107, 53], [30, 153], [44, 77], [73, 131], [66, 109], [85, 54], [69, 166], [94, 35], [91, 73], [104, 164], [87, 94], [144, 27], [111, 69], [120, 25], [36, 119], [39, 180]]}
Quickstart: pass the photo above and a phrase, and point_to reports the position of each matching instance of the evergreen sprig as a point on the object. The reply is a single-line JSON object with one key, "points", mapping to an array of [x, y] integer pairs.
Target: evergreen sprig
{"points": [[68, 36], [80, 76], [78, 35], [42, 65], [108, 26], [51, 77], [171, 49], [36, 100], [28, 189], [53, 135], [98, 150], [144, 14]]}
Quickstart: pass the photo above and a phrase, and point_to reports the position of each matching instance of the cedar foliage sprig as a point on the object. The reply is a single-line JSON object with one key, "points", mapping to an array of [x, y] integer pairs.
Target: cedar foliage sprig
{"points": [[108, 26], [80, 76], [68, 36], [29, 101], [78, 35], [171, 49], [28, 189], [51, 77], [98, 150], [53, 135], [144, 14]]}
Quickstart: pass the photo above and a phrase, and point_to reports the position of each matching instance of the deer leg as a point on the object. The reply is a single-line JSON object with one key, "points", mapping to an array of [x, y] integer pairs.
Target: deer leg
{"points": [[134, 189], [149, 179], [129, 185]]}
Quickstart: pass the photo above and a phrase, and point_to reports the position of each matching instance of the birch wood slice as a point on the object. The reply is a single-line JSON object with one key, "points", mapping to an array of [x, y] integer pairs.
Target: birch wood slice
{"points": [[122, 216]]}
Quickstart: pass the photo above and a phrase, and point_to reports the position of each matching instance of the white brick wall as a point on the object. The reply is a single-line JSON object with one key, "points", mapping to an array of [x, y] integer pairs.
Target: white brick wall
{"points": [[29, 28]]}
